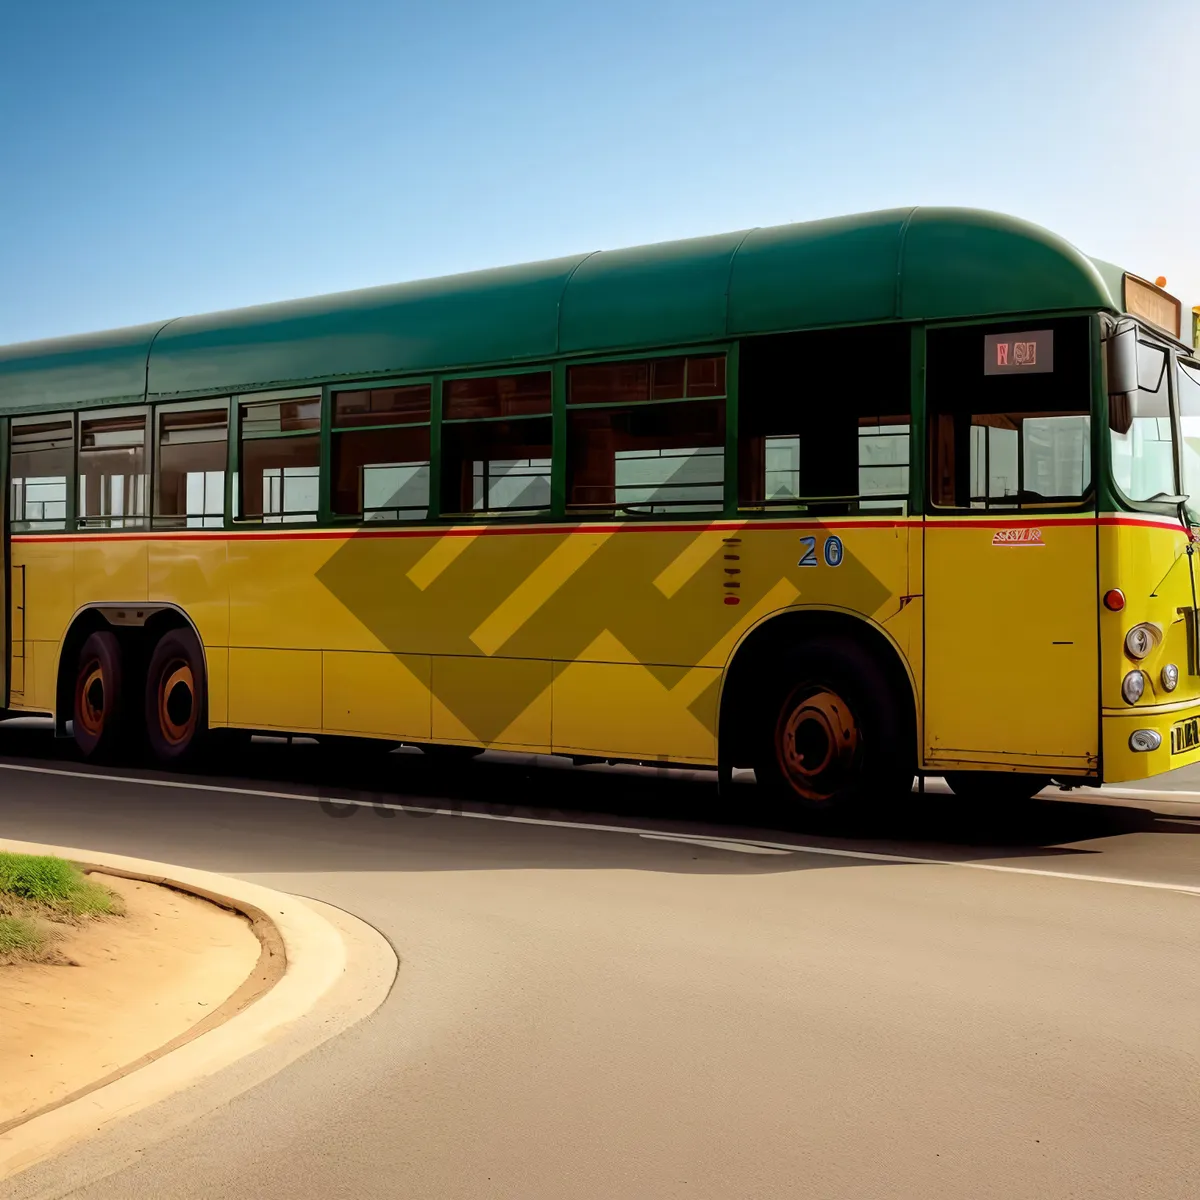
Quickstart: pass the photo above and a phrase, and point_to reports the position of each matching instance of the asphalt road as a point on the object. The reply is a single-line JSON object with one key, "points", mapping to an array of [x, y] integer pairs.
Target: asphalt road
{"points": [[717, 1010]]}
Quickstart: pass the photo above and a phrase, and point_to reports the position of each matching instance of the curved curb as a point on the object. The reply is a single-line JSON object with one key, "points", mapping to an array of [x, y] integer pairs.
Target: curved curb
{"points": [[319, 954]]}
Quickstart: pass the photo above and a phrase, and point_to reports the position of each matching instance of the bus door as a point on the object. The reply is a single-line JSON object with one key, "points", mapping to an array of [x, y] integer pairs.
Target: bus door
{"points": [[1011, 668]]}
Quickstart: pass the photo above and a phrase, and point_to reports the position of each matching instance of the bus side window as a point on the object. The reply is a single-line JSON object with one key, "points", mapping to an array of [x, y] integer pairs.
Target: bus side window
{"points": [[41, 462], [279, 445], [112, 469], [496, 444], [189, 465], [381, 453], [1189, 425], [647, 436], [1008, 429], [824, 421]]}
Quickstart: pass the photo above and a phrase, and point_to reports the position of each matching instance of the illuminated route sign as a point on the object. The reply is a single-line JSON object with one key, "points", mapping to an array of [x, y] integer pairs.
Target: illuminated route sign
{"points": [[1019, 353]]}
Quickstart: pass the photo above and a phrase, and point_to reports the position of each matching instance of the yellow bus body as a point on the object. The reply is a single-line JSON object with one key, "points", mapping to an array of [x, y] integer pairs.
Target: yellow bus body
{"points": [[603, 640], [612, 640]]}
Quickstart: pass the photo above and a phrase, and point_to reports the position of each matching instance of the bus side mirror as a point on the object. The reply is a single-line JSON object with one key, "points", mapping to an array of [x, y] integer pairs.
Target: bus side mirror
{"points": [[1120, 413], [1122, 363]]}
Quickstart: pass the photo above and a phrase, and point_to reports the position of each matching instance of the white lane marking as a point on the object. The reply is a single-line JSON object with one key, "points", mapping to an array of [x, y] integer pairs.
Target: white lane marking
{"points": [[792, 848], [714, 844]]}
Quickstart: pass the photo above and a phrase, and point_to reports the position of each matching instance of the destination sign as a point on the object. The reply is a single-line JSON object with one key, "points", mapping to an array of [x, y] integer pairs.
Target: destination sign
{"points": [[1019, 353]]}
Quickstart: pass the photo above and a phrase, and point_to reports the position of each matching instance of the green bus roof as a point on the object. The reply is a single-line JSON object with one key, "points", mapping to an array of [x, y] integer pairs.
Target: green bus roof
{"points": [[898, 265]]}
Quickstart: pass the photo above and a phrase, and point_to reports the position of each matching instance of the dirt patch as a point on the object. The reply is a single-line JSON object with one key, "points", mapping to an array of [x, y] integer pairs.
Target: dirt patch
{"points": [[142, 980]]}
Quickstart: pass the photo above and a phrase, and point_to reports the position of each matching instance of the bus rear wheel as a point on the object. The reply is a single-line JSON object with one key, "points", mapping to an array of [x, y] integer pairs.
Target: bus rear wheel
{"points": [[99, 717], [832, 746], [176, 697], [995, 787]]}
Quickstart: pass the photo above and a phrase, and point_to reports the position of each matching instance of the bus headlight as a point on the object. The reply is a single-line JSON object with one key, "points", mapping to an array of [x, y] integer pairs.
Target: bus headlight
{"points": [[1132, 687], [1144, 740], [1141, 639], [1170, 677]]}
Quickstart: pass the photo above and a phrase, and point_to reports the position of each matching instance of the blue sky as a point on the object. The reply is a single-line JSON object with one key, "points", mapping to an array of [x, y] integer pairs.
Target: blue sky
{"points": [[159, 159]]}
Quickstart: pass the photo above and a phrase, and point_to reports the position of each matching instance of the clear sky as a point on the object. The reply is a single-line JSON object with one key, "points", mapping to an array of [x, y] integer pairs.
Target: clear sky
{"points": [[163, 158]]}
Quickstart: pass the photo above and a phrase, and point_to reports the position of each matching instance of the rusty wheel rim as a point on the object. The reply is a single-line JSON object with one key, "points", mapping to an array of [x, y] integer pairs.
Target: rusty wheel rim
{"points": [[176, 702], [816, 742], [91, 699]]}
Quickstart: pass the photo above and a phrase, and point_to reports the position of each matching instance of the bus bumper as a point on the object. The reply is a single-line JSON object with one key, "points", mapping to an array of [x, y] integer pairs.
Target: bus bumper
{"points": [[1179, 731]]}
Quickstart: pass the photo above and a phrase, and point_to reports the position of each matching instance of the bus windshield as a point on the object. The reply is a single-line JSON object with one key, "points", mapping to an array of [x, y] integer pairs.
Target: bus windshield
{"points": [[1143, 450], [1189, 425]]}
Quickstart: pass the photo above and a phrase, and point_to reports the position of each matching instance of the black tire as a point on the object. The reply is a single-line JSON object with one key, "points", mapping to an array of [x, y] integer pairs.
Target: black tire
{"points": [[995, 787], [100, 716], [835, 740], [176, 698]]}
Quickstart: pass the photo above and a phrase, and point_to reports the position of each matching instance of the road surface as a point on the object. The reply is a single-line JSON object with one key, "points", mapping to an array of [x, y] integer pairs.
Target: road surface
{"points": [[621, 988]]}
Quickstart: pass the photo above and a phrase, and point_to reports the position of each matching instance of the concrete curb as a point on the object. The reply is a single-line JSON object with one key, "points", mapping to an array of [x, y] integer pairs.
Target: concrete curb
{"points": [[319, 954]]}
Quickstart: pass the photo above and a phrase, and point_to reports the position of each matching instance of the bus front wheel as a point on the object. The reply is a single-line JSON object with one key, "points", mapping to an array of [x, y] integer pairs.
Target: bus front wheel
{"points": [[176, 697], [832, 740], [99, 718]]}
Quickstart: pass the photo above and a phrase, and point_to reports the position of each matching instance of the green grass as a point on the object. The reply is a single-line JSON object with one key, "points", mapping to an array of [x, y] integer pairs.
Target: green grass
{"points": [[53, 886], [21, 940]]}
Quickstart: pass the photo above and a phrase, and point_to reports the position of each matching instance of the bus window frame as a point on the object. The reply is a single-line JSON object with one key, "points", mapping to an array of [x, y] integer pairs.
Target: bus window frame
{"points": [[140, 524], [175, 406], [1180, 358], [558, 484], [327, 516], [540, 516], [801, 507], [1162, 340], [69, 525], [234, 518], [1097, 411]]}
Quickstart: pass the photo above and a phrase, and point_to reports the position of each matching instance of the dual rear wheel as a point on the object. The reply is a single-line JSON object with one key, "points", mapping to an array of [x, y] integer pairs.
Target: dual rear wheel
{"points": [[112, 713]]}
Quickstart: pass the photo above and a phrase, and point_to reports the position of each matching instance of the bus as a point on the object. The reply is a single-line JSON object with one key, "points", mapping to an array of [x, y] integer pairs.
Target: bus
{"points": [[844, 502]]}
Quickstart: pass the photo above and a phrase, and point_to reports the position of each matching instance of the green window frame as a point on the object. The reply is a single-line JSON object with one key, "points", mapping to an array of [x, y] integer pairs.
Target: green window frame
{"points": [[107, 496], [443, 425], [332, 430], [727, 504], [40, 524], [275, 490], [203, 519], [1067, 326]]}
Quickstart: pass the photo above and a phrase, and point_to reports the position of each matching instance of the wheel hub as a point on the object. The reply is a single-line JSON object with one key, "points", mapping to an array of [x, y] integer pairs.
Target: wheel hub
{"points": [[92, 698], [176, 702], [816, 743]]}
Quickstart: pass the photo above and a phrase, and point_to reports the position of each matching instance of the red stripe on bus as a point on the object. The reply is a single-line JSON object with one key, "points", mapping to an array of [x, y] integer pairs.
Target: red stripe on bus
{"points": [[301, 535], [439, 531]]}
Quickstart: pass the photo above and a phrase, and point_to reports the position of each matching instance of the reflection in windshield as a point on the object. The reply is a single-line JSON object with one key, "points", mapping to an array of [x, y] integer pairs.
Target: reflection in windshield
{"points": [[1058, 460], [1152, 365], [1143, 459], [1189, 424]]}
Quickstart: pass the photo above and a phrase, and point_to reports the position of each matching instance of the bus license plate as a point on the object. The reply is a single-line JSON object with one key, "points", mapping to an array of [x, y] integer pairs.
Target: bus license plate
{"points": [[1185, 735]]}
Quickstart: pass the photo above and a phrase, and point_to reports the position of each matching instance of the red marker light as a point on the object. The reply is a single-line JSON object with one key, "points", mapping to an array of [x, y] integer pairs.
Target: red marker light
{"points": [[1114, 600]]}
